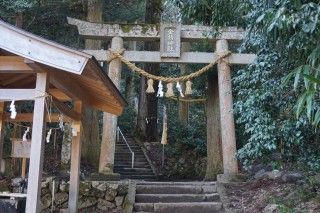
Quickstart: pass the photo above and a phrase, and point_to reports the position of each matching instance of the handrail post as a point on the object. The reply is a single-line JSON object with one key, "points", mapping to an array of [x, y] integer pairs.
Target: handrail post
{"points": [[119, 132], [118, 137], [132, 160]]}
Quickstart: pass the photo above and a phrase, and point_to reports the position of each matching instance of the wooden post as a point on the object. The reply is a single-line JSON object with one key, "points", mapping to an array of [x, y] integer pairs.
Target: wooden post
{"points": [[37, 145], [228, 137], [2, 116], [23, 167], [110, 121], [214, 155], [75, 163]]}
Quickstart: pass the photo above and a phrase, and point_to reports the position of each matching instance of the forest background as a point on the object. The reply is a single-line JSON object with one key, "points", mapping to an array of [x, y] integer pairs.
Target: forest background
{"points": [[276, 99]]}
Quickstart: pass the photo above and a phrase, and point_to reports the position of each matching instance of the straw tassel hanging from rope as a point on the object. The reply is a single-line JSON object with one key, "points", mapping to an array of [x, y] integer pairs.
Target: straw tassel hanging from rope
{"points": [[188, 88], [169, 92], [164, 138], [150, 88]]}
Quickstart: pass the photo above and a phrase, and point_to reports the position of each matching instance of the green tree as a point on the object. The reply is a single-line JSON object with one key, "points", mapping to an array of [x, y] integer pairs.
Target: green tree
{"points": [[284, 36]]}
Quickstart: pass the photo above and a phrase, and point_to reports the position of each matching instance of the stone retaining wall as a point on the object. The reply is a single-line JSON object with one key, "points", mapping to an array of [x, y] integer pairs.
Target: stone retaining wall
{"points": [[94, 196]]}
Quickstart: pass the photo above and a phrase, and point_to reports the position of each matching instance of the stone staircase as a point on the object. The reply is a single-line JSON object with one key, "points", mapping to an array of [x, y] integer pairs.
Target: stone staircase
{"points": [[177, 197], [122, 162]]}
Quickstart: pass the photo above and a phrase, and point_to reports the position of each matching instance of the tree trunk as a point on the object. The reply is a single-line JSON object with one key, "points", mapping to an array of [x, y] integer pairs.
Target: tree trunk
{"points": [[19, 19], [130, 78], [153, 12], [214, 150], [142, 110], [90, 138], [184, 106]]}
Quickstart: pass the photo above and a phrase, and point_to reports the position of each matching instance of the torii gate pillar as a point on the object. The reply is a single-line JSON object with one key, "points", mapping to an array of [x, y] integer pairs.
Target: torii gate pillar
{"points": [[110, 121], [228, 137]]}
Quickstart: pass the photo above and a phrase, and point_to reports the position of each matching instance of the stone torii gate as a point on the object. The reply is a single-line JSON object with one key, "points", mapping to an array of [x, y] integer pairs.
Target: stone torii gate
{"points": [[170, 37]]}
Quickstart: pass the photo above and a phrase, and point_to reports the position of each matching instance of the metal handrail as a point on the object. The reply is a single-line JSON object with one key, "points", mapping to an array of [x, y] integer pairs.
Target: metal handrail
{"points": [[119, 132]]}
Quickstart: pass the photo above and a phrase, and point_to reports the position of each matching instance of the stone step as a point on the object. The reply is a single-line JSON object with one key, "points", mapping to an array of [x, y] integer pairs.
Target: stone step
{"points": [[129, 169], [142, 169], [176, 198], [200, 207], [122, 172], [128, 138], [144, 177], [128, 165], [143, 212], [137, 169], [170, 183], [135, 174], [125, 178], [129, 160], [175, 189], [144, 207], [128, 156], [127, 151], [122, 147], [131, 144]]}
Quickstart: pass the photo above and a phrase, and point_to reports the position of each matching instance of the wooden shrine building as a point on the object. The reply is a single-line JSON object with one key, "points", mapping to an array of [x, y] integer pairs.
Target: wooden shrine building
{"points": [[35, 69]]}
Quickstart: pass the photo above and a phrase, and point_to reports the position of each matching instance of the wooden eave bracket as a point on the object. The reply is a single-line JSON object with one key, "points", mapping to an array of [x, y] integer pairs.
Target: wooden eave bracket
{"points": [[64, 109]]}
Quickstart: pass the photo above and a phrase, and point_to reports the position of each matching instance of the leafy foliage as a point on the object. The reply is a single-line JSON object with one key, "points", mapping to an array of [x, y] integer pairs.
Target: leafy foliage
{"points": [[276, 97], [190, 136], [284, 36], [15, 6], [214, 12]]}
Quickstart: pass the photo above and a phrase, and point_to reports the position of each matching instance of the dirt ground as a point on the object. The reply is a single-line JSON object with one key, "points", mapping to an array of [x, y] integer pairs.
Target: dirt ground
{"points": [[254, 196]]}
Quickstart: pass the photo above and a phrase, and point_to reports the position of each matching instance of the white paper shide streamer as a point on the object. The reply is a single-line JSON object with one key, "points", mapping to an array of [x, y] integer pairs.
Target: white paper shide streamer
{"points": [[75, 129], [74, 132], [160, 90], [24, 137], [48, 135], [61, 126], [179, 88], [13, 110]]}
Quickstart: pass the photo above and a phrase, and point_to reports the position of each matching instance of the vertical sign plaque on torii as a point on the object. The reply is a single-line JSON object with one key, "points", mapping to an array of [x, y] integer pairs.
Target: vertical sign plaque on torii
{"points": [[170, 31], [170, 40]]}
